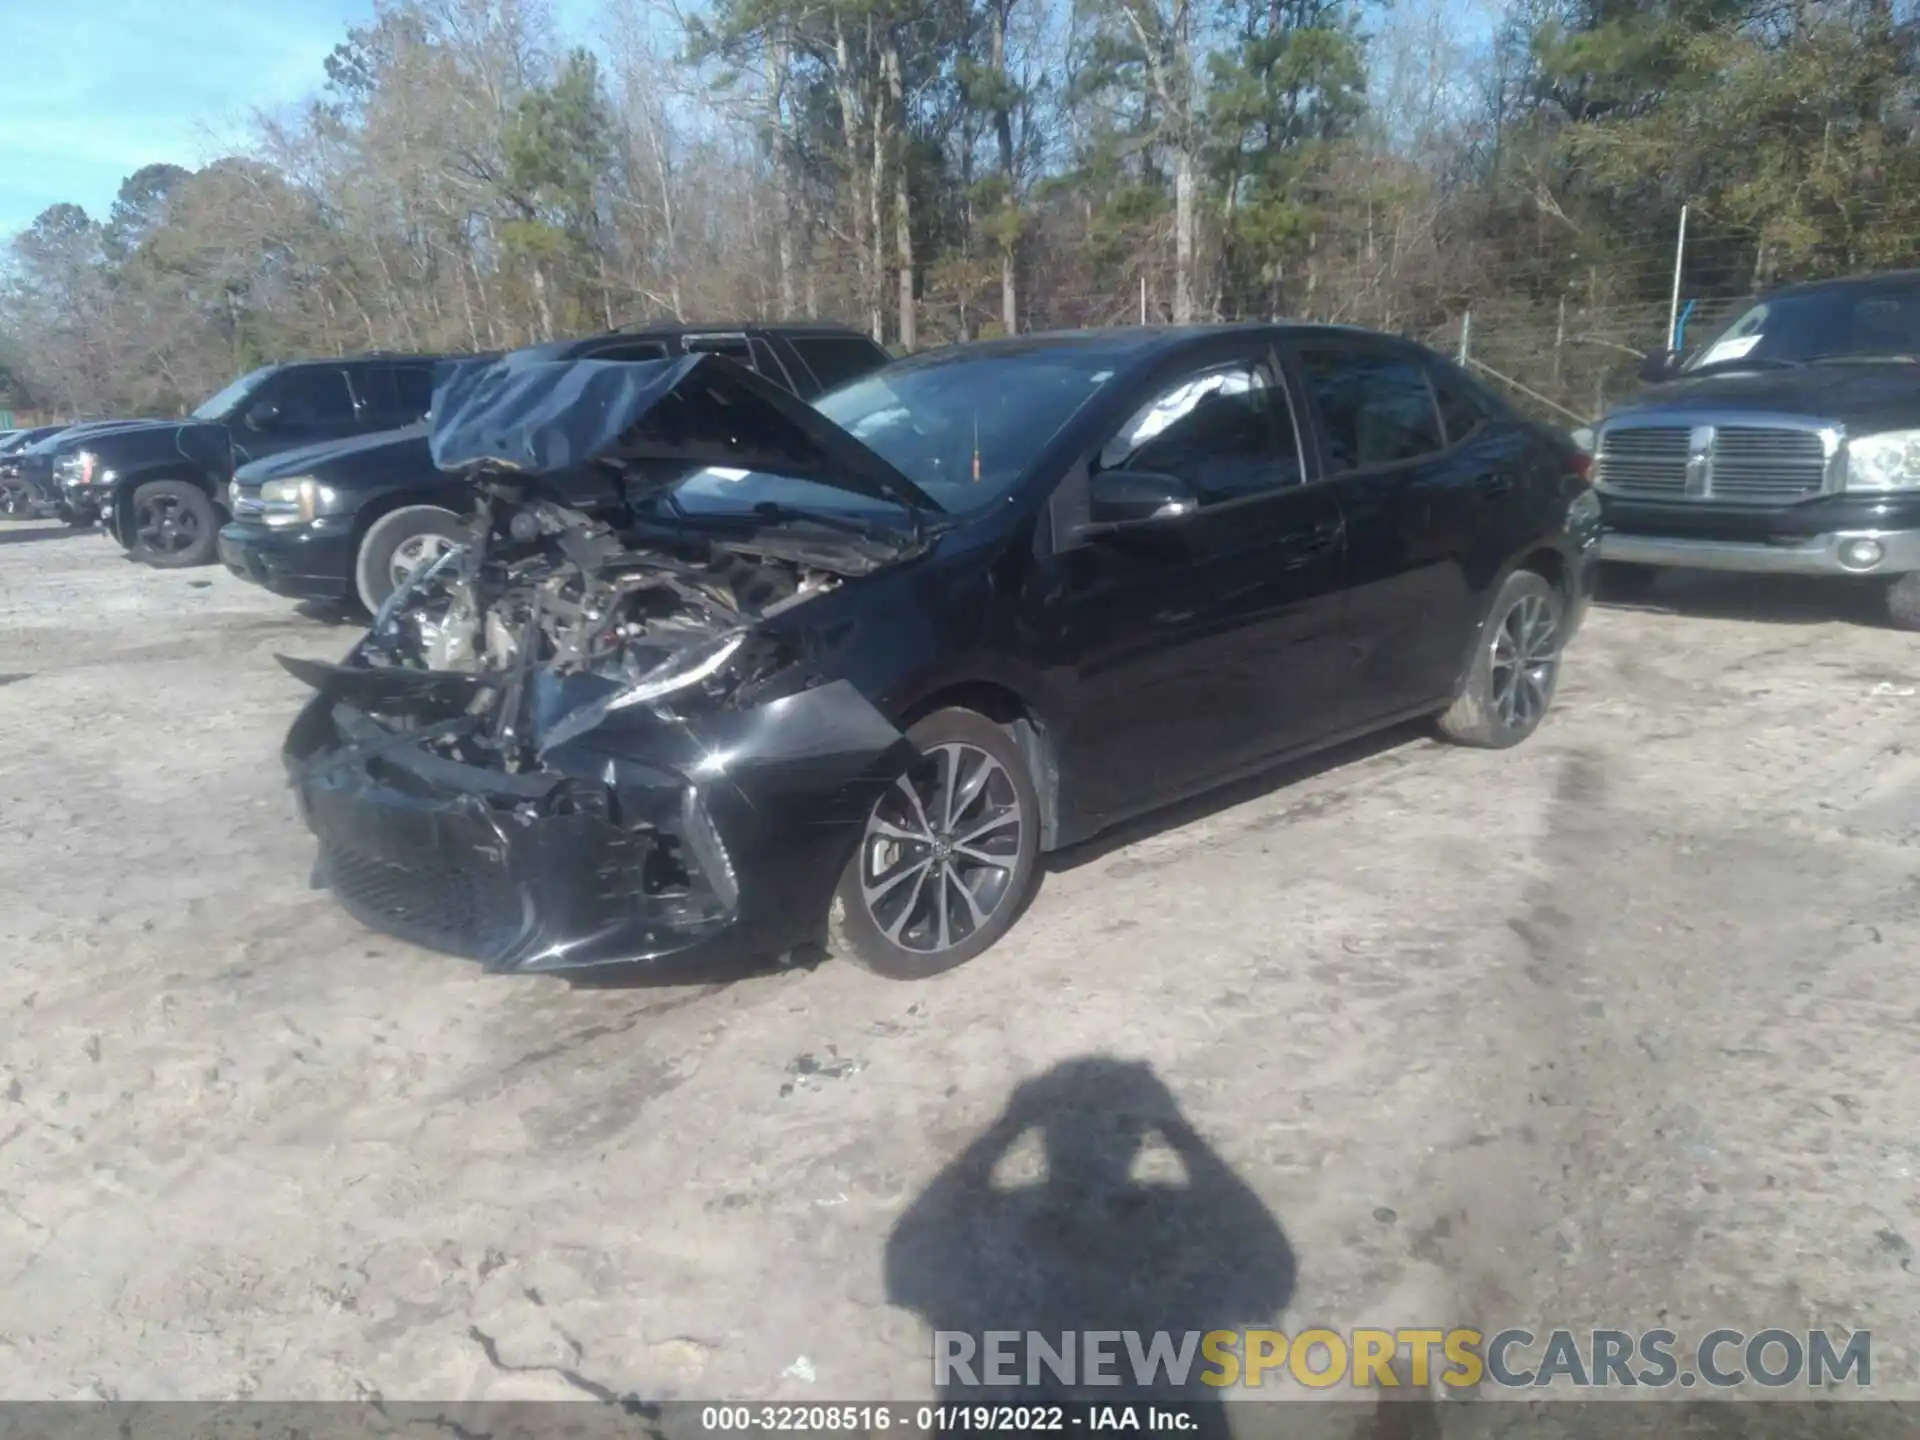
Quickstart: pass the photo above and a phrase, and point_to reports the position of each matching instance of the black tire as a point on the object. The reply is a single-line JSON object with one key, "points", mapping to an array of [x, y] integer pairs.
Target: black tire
{"points": [[1619, 580], [16, 500], [174, 525], [891, 926], [1902, 599], [397, 532], [1501, 704]]}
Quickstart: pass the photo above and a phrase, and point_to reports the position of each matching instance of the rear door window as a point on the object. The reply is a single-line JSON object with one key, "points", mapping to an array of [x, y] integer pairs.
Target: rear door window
{"points": [[312, 399], [413, 392], [1461, 411], [734, 347], [836, 359], [631, 351], [1375, 408], [768, 364]]}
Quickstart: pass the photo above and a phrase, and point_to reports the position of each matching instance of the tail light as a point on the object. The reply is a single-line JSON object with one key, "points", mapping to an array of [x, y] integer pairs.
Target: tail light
{"points": [[1580, 466]]}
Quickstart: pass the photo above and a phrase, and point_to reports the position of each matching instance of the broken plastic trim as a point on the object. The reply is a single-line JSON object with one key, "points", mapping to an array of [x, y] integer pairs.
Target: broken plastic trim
{"points": [[383, 616], [674, 674]]}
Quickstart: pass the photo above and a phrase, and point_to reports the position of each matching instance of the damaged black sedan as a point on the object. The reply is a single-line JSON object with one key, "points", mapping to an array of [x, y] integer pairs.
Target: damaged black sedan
{"points": [[719, 671]]}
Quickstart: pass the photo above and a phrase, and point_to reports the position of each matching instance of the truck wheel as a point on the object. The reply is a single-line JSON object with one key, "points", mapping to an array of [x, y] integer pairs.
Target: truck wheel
{"points": [[1903, 603], [949, 857], [174, 525], [399, 543], [16, 501], [1515, 667], [1622, 581]]}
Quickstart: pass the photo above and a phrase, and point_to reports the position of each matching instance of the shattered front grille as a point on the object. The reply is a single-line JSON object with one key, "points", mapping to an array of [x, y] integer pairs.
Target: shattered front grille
{"points": [[442, 906]]}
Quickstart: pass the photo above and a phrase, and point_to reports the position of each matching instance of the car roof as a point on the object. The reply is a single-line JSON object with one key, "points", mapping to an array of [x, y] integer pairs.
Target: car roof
{"points": [[1136, 342], [1884, 279]]}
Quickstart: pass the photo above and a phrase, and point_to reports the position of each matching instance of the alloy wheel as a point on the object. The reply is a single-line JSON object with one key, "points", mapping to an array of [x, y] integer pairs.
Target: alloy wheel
{"points": [[165, 526], [937, 861], [1525, 659], [413, 554]]}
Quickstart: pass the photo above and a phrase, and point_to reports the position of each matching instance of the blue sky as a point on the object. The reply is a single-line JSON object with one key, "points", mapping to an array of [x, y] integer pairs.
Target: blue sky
{"points": [[102, 87], [91, 90]]}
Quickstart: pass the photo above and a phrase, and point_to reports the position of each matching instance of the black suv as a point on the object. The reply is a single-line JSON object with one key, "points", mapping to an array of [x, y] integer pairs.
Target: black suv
{"points": [[159, 486], [1788, 445], [349, 521]]}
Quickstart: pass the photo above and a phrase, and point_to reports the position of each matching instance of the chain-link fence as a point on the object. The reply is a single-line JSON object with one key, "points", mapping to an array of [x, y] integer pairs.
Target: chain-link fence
{"points": [[1567, 362]]}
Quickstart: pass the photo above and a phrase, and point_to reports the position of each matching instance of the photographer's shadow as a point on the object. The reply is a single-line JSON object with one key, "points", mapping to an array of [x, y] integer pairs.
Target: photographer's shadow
{"points": [[1114, 1216]]}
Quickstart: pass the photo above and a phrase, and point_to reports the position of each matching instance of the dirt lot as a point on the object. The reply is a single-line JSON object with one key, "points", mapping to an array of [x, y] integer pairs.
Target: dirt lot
{"points": [[1614, 1029]]}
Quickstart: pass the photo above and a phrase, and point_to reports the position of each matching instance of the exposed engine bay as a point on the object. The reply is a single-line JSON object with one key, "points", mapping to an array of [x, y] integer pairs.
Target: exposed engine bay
{"points": [[586, 587], [544, 587], [554, 586]]}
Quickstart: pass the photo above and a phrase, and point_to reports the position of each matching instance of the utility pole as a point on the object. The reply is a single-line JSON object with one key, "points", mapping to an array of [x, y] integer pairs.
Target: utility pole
{"points": [[1466, 337], [1559, 337], [1679, 259], [1143, 297]]}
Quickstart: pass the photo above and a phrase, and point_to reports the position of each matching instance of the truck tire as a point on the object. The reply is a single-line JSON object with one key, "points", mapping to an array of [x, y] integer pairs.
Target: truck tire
{"points": [[950, 857], [1514, 670], [399, 542], [174, 525], [1903, 603]]}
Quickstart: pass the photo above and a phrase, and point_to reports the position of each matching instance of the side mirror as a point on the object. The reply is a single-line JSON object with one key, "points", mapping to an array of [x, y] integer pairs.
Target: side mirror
{"points": [[1119, 498], [264, 416], [1660, 365]]}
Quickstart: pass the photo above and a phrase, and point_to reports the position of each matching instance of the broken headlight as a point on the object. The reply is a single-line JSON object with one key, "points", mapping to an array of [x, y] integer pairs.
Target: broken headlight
{"points": [[674, 675]]}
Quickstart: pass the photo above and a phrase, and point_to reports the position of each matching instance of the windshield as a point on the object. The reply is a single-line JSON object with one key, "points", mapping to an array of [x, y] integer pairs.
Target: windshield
{"points": [[963, 429], [1851, 322], [216, 407]]}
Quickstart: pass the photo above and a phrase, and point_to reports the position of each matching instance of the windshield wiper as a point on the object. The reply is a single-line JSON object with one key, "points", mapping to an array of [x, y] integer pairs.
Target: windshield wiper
{"points": [[1864, 360]]}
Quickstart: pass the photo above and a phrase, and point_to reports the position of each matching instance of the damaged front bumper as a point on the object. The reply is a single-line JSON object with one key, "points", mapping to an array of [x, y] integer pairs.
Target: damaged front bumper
{"points": [[648, 837]]}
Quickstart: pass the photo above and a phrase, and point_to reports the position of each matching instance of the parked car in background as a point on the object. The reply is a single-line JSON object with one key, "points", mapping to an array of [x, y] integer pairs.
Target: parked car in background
{"points": [[350, 520], [160, 486], [1788, 445], [49, 470], [17, 500], [846, 671]]}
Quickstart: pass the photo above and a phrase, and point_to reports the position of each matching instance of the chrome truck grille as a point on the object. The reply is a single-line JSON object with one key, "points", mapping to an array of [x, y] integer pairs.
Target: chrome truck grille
{"points": [[1732, 459]]}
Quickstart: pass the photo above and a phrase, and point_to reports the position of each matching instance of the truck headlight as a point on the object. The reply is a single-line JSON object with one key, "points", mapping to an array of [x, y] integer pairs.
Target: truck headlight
{"points": [[80, 468], [298, 501], [1887, 461]]}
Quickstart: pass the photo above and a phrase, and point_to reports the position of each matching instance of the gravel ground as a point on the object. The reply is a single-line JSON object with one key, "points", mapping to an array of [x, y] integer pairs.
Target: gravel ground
{"points": [[1609, 1030]]}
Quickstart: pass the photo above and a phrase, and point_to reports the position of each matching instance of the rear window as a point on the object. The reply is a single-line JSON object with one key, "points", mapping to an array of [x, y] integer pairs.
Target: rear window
{"points": [[413, 392], [836, 359], [1461, 411], [632, 352]]}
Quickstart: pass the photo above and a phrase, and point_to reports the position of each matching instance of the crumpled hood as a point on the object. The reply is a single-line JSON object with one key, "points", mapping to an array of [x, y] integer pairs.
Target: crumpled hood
{"points": [[655, 421], [307, 458]]}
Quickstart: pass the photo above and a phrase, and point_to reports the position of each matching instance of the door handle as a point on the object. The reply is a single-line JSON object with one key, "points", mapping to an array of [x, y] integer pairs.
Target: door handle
{"points": [[1496, 484]]}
